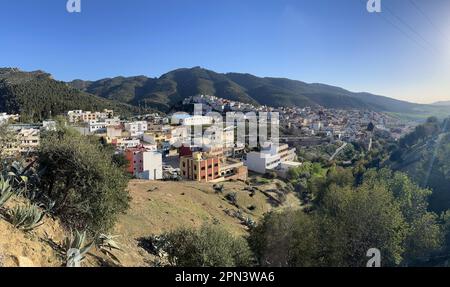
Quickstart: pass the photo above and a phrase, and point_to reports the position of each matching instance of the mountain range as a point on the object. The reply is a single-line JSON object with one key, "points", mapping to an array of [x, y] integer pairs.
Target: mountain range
{"points": [[36, 95], [169, 89]]}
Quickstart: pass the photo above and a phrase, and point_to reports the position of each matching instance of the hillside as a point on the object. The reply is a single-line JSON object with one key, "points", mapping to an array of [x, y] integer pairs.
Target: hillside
{"points": [[37, 96], [424, 155], [155, 207], [172, 87]]}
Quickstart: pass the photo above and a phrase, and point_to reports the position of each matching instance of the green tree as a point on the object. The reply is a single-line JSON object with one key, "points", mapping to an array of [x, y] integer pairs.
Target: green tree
{"points": [[385, 210], [81, 177], [211, 246]]}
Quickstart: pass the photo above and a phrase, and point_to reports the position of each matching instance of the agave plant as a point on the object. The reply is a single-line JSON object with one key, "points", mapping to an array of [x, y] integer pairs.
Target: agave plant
{"points": [[6, 191], [76, 248], [107, 245], [27, 217]]}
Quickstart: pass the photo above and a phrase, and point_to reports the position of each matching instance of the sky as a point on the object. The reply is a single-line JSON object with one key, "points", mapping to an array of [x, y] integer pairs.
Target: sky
{"points": [[402, 52]]}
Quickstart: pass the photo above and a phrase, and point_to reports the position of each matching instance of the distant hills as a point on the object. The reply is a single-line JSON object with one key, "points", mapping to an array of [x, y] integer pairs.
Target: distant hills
{"points": [[169, 89], [442, 103], [37, 95]]}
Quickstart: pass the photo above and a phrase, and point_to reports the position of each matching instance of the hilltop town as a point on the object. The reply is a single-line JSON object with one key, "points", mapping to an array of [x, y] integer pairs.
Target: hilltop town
{"points": [[162, 147]]}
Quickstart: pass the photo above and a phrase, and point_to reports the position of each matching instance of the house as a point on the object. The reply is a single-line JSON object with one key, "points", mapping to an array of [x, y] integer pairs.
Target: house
{"points": [[196, 121], [97, 127], [113, 132], [126, 143], [87, 116], [144, 164], [136, 129], [49, 125], [204, 167]]}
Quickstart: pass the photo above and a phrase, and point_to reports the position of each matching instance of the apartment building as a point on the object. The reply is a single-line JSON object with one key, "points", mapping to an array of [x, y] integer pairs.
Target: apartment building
{"points": [[136, 129], [144, 164], [204, 167], [88, 116], [28, 140], [196, 121], [269, 158], [125, 143], [113, 132], [97, 127]]}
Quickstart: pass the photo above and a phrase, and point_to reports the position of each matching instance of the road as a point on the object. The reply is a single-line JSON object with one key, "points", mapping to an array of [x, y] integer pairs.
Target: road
{"points": [[338, 151]]}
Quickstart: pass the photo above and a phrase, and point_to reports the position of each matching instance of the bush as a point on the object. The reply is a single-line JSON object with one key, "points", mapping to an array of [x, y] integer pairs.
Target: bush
{"points": [[270, 175], [211, 246], [88, 189], [232, 197]]}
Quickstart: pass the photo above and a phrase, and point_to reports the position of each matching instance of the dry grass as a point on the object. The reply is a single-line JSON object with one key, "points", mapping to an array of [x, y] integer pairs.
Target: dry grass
{"points": [[156, 207]]}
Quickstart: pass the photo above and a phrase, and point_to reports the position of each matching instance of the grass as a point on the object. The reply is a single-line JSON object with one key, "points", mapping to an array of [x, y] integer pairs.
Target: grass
{"points": [[178, 204]]}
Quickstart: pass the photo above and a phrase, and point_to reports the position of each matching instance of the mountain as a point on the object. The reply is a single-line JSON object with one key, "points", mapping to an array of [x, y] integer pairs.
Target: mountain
{"points": [[37, 96], [171, 88], [442, 103]]}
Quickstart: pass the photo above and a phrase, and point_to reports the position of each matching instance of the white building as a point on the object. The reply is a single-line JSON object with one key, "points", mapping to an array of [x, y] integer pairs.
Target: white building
{"points": [[113, 132], [197, 121], [113, 121], [87, 116], [269, 158], [136, 129], [4, 117], [126, 143], [97, 127], [49, 125], [148, 165]]}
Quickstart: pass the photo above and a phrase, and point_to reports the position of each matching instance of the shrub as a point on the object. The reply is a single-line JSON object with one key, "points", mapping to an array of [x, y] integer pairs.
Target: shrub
{"points": [[88, 188], [270, 175], [232, 198], [211, 246]]}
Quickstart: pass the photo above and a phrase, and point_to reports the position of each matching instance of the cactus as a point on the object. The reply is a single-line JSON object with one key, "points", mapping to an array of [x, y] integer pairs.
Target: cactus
{"points": [[76, 249], [27, 217], [107, 244], [6, 191]]}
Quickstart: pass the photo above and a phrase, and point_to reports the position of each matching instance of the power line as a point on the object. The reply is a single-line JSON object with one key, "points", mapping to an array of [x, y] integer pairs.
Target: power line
{"points": [[410, 28], [402, 31], [417, 7]]}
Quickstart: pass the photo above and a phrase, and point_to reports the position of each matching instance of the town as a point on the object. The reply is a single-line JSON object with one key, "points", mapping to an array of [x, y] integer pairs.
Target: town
{"points": [[165, 147]]}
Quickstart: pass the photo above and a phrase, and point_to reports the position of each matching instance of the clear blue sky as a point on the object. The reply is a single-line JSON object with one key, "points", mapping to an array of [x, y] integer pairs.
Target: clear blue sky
{"points": [[400, 53]]}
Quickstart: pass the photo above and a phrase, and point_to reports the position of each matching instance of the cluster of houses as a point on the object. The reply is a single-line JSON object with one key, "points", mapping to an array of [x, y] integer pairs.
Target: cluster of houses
{"points": [[344, 125], [27, 136], [165, 147], [159, 147]]}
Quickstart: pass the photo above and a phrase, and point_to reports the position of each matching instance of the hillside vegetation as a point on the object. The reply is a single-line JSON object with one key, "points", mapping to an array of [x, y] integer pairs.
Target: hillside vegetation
{"points": [[36, 96]]}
